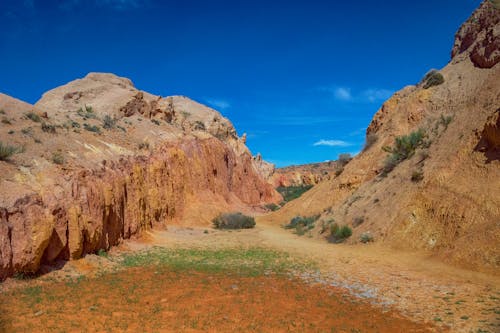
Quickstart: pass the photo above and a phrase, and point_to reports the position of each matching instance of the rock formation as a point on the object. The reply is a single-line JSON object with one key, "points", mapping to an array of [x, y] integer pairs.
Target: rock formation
{"points": [[102, 161], [445, 197]]}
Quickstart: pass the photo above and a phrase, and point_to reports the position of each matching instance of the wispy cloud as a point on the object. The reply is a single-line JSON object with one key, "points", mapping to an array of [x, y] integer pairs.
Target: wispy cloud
{"points": [[112, 4], [348, 95], [343, 94], [375, 95], [220, 104], [332, 143]]}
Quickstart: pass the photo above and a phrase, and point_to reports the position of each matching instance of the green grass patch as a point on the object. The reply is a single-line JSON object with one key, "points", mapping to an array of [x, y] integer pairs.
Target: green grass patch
{"points": [[240, 261], [290, 193]]}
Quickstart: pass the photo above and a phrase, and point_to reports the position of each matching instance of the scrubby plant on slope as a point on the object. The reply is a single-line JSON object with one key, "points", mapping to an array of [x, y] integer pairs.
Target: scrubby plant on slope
{"points": [[290, 193], [432, 78], [7, 151], [404, 147], [302, 224]]}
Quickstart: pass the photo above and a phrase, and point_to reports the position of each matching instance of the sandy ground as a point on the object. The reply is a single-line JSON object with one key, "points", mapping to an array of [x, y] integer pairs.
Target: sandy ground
{"points": [[419, 288]]}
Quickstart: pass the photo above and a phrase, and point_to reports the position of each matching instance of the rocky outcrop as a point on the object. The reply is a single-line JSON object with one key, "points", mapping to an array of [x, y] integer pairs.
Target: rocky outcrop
{"points": [[479, 36], [306, 174], [127, 162]]}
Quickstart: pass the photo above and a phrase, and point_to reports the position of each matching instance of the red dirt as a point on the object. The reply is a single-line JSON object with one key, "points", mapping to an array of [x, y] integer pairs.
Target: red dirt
{"points": [[158, 300]]}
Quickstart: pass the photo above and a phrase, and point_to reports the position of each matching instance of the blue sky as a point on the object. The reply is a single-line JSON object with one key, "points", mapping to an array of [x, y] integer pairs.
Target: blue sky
{"points": [[301, 78]]}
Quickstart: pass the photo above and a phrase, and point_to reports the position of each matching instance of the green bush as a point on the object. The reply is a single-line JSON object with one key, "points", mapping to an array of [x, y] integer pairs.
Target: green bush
{"points": [[233, 221], [272, 207], [48, 128], [302, 224], [358, 221], [58, 158], [290, 193], [91, 128], [34, 117], [88, 113], [366, 237], [404, 147], [432, 78], [344, 158], [108, 122], [7, 151], [339, 234]]}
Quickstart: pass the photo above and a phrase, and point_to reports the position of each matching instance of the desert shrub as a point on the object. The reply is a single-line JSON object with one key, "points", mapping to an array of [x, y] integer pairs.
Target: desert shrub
{"points": [[370, 140], [404, 147], [156, 122], [334, 228], [340, 234], [58, 158], [2, 111], [11, 132], [143, 145], [432, 78], [75, 124], [358, 221], [417, 176], [6, 121], [7, 151], [48, 128], [445, 120], [121, 128], [108, 122], [91, 128], [199, 126], [102, 253], [27, 131], [302, 224], [233, 221], [290, 193], [366, 237], [344, 159], [88, 113], [34, 117], [272, 207]]}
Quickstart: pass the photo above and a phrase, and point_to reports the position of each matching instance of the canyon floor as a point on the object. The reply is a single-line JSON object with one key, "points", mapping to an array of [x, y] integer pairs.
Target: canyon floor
{"points": [[264, 279]]}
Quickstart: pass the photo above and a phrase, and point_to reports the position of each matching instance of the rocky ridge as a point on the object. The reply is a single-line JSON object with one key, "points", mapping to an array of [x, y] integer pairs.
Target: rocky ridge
{"points": [[100, 161]]}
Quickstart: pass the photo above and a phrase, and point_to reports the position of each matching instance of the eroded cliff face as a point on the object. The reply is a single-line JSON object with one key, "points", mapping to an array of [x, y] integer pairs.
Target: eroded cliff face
{"points": [[103, 162], [445, 198]]}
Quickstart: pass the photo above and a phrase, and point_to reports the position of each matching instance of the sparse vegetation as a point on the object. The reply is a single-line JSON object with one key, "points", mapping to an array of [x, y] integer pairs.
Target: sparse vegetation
{"points": [[358, 221], [2, 111], [6, 151], [58, 158], [156, 122], [75, 124], [102, 253], [28, 131], [371, 138], [432, 78], [199, 126], [417, 176], [11, 132], [48, 128], [404, 147], [302, 224], [339, 233], [92, 128], [88, 113], [108, 122], [290, 193], [34, 117], [344, 158], [233, 221], [6, 121], [272, 207], [143, 145], [445, 120], [366, 237]]}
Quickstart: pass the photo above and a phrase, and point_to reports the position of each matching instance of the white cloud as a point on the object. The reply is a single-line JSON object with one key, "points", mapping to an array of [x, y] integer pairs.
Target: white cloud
{"points": [[343, 94], [220, 104], [121, 4], [375, 95], [332, 143]]}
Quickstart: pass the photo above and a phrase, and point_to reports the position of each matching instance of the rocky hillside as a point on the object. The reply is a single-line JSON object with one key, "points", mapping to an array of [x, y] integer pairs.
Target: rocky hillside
{"points": [[430, 178], [305, 174], [97, 161]]}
